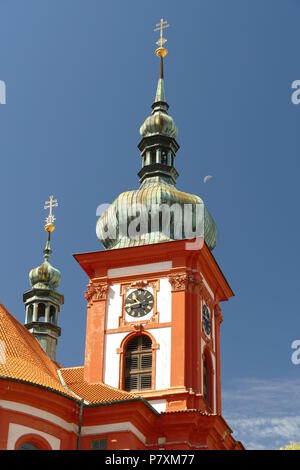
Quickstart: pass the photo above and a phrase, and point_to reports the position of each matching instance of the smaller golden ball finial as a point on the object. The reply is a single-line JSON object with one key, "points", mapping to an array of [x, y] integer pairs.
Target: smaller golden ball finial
{"points": [[161, 51], [49, 226]]}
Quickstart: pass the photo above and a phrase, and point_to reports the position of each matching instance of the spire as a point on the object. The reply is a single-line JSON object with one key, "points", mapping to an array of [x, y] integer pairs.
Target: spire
{"points": [[47, 250], [42, 302], [158, 146], [49, 226], [161, 52], [160, 91]]}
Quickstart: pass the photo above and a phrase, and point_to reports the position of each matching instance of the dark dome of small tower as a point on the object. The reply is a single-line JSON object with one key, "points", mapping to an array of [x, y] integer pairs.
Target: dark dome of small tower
{"points": [[45, 276], [159, 122]]}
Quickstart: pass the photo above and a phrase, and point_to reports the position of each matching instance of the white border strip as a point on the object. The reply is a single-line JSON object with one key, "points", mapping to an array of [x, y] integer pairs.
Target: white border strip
{"points": [[15, 431], [38, 413], [114, 427], [140, 269]]}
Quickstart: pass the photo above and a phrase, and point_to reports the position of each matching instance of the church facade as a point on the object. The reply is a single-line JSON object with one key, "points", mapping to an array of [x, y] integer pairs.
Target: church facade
{"points": [[151, 377]]}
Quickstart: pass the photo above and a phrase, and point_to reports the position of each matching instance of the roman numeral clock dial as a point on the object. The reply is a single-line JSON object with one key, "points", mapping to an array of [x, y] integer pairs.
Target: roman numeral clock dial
{"points": [[139, 303], [206, 320]]}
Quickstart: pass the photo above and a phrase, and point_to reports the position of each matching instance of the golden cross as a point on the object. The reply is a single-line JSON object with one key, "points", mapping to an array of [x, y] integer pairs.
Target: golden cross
{"points": [[49, 205], [160, 27]]}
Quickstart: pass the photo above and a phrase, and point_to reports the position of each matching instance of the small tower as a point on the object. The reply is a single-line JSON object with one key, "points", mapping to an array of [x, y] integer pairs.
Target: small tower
{"points": [[42, 302], [158, 146]]}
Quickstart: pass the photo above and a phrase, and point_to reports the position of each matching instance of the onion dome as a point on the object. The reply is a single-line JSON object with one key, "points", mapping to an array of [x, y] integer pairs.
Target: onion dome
{"points": [[159, 122], [152, 195], [45, 276]]}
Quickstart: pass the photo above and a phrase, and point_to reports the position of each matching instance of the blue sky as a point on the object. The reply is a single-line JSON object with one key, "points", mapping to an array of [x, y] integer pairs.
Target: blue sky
{"points": [[80, 77]]}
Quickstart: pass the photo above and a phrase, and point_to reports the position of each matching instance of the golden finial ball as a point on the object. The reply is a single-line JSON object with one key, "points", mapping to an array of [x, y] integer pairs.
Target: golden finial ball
{"points": [[49, 228], [161, 52]]}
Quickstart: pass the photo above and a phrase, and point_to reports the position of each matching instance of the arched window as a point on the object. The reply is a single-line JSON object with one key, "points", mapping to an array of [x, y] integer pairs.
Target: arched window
{"points": [[41, 312], [32, 442], [207, 380], [164, 157], [153, 157], [30, 314], [52, 316], [28, 446], [138, 364]]}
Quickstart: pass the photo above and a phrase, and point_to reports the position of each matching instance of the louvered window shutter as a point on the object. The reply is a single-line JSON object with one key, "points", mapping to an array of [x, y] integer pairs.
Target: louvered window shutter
{"points": [[138, 364]]}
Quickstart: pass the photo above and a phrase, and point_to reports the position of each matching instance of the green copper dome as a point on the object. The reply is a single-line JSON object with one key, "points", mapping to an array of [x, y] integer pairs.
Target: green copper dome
{"points": [[151, 195], [156, 212], [45, 276], [159, 122]]}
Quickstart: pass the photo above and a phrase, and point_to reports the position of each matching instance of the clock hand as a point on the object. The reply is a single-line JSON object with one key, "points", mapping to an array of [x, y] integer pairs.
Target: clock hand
{"points": [[135, 303]]}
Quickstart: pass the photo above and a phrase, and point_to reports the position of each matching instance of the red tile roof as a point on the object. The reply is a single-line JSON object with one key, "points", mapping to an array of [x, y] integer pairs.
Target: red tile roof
{"points": [[93, 393], [22, 358]]}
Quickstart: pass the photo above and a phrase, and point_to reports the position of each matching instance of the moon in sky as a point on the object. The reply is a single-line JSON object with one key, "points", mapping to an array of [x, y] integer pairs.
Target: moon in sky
{"points": [[207, 178]]}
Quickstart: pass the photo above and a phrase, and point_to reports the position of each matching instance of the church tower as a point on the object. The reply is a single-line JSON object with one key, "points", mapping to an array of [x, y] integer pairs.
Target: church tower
{"points": [[42, 302], [154, 294]]}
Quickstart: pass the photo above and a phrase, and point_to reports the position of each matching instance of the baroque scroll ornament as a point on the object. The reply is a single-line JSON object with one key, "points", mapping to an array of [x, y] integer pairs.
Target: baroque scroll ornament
{"points": [[96, 292], [180, 281]]}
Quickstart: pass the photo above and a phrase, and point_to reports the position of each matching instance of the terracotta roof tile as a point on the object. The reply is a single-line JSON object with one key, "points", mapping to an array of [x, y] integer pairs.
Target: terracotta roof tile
{"points": [[22, 358], [93, 393]]}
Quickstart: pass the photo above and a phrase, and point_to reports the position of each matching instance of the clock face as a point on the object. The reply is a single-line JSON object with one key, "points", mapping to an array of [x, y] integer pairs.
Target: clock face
{"points": [[139, 303], [206, 320]]}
